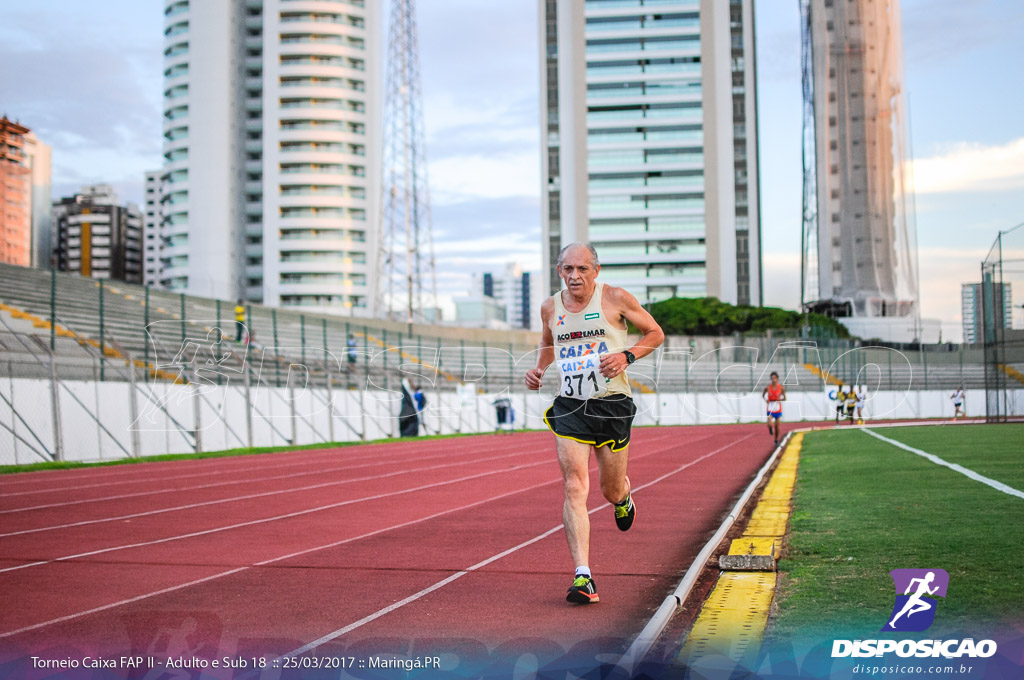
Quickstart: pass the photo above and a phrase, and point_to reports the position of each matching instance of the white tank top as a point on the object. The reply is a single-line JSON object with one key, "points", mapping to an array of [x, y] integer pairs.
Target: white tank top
{"points": [[580, 340]]}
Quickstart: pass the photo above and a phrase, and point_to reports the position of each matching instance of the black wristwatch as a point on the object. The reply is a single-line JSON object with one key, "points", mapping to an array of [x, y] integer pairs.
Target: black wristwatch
{"points": [[630, 358]]}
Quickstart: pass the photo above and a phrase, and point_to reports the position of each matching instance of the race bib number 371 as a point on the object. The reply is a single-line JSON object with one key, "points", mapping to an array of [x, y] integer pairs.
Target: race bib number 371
{"points": [[580, 370]]}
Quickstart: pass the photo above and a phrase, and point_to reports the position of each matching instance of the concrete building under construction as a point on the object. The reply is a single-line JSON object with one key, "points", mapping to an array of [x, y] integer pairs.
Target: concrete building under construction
{"points": [[859, 245]]}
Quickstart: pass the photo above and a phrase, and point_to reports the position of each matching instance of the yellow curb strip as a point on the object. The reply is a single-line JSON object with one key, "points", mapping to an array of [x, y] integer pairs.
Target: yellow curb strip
{"points": [[733, 618]]}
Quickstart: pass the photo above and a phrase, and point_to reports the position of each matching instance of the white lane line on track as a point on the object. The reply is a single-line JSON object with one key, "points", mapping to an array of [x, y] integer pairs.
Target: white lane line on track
{"points": [[303, 552], [157, 478], [137, 494], [494, 558], [313, 456], [94, 610], [297, 513], [262, 494], [156, 467], [988, 481], [275, 559]]}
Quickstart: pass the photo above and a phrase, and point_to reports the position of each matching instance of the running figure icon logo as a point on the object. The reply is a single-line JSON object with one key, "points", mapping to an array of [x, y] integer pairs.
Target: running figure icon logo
{"points": [[916, 590]]}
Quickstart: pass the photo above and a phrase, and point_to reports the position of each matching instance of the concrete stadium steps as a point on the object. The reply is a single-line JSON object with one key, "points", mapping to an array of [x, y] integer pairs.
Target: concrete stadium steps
{"points": [[440, 360], [380, 351]]}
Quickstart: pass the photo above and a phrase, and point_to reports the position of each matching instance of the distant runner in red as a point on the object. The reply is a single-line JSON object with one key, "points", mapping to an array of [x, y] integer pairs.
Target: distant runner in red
{"points": [[585, 335], [774, 394]]}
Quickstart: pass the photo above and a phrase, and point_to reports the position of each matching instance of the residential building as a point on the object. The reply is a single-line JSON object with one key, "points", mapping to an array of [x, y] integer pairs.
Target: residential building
{"points": [[98, 237], [649, 120], [971, 309], [271, 164], [518, 292], [152, 269], [15, 195]]}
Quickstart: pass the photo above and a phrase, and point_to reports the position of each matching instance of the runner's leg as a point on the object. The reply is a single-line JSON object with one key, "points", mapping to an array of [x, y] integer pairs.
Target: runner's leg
{"points": [[612, 468], [574, 459]]}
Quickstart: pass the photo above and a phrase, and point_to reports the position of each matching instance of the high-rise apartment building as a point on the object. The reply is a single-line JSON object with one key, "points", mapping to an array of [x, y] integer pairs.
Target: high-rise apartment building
{"points": [[649, 123], [24, 197], [971, 309], [859, 251], [515, 290], [152, 269], [98, 237], [271, 164]]}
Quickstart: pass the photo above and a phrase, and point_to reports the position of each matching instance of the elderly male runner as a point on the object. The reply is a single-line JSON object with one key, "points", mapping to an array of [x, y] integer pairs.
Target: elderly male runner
{"points": [[585, 334]]}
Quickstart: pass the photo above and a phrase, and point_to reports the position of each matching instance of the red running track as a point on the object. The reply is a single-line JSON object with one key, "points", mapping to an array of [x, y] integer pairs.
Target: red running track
{"points": [[448, 546]]}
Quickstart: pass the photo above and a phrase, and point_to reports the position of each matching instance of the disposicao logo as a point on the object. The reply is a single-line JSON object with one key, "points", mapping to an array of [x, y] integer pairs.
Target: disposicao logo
{"points": [[915, 606], [914, 611]]}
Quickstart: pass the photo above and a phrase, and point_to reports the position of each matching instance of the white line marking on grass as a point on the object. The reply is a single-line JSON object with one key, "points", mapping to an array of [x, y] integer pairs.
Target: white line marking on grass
{"points": [[998, 486], [494, 558], [299, 552]]}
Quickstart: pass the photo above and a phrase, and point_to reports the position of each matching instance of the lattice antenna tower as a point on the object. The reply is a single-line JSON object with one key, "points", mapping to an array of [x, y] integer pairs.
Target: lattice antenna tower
{"points": [[408, 285], [809, 218]]}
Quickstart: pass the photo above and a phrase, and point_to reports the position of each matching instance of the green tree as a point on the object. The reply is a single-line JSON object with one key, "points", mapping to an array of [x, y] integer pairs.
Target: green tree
{"points": [[711, 316]]}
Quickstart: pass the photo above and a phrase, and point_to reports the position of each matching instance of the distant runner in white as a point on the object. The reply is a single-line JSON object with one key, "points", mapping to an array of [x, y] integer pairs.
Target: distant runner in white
{"points": [[958, 401]]}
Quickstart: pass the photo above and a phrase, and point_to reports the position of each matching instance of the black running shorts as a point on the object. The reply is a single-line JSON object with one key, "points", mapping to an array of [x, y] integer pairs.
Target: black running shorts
{"points": [[600, 422]]}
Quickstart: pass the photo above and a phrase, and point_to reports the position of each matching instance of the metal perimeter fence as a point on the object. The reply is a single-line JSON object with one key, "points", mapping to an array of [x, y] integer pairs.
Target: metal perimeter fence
{"points": [[92, 370], [1001, 324]]}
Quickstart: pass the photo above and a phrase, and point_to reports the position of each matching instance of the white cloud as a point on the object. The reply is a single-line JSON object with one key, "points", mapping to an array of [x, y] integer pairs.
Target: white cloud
{"points": [[461, 178], [971, 167]]}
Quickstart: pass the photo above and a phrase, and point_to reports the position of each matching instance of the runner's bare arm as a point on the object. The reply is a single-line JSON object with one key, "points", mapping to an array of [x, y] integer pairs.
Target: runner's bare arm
{"points": [[783, 393], [652, 336], [546, 351]]}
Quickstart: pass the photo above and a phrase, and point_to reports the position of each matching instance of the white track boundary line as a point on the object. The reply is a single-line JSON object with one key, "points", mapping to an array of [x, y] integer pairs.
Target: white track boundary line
{"points": [[262, 494], [281, 558], [264, 520], [219, 465], [156, 492], [643, 642], [94, 610], [988, 481], [159, 478], [136, 472], [494, 558]]}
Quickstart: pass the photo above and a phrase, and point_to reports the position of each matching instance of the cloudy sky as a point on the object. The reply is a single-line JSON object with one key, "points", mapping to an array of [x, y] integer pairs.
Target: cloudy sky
{"points": [[87, 79]]}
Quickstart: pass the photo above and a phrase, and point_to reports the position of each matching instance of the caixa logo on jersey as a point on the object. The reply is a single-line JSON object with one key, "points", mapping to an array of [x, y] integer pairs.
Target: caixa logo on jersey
{"points": [[913, 612]]}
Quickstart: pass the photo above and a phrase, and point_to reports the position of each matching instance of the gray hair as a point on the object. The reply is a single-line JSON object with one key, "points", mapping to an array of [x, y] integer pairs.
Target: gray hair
{"points": [[593, 253]]}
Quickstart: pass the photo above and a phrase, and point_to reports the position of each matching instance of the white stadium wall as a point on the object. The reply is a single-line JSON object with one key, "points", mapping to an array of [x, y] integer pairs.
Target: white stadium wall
{"points": [[358, 414]]}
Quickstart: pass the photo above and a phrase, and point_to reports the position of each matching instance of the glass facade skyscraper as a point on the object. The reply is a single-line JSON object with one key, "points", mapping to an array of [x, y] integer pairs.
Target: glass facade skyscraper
{"points": [[649, 110]]}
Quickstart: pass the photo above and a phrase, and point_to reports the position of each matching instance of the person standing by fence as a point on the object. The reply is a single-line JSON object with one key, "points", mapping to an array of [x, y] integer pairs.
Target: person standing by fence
{"points": [[239, 320]]}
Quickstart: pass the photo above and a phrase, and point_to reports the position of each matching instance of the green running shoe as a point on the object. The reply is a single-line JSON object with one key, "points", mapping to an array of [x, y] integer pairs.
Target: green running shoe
{"points": [[582, 591]]}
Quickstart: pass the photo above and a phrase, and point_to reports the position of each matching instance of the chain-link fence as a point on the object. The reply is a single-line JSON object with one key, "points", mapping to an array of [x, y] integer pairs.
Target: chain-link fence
{"points": [[91, 370], [1000, 322]]}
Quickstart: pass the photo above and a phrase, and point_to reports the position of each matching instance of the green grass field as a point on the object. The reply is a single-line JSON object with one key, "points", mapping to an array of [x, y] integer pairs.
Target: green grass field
{"points": [[863, 507]]}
